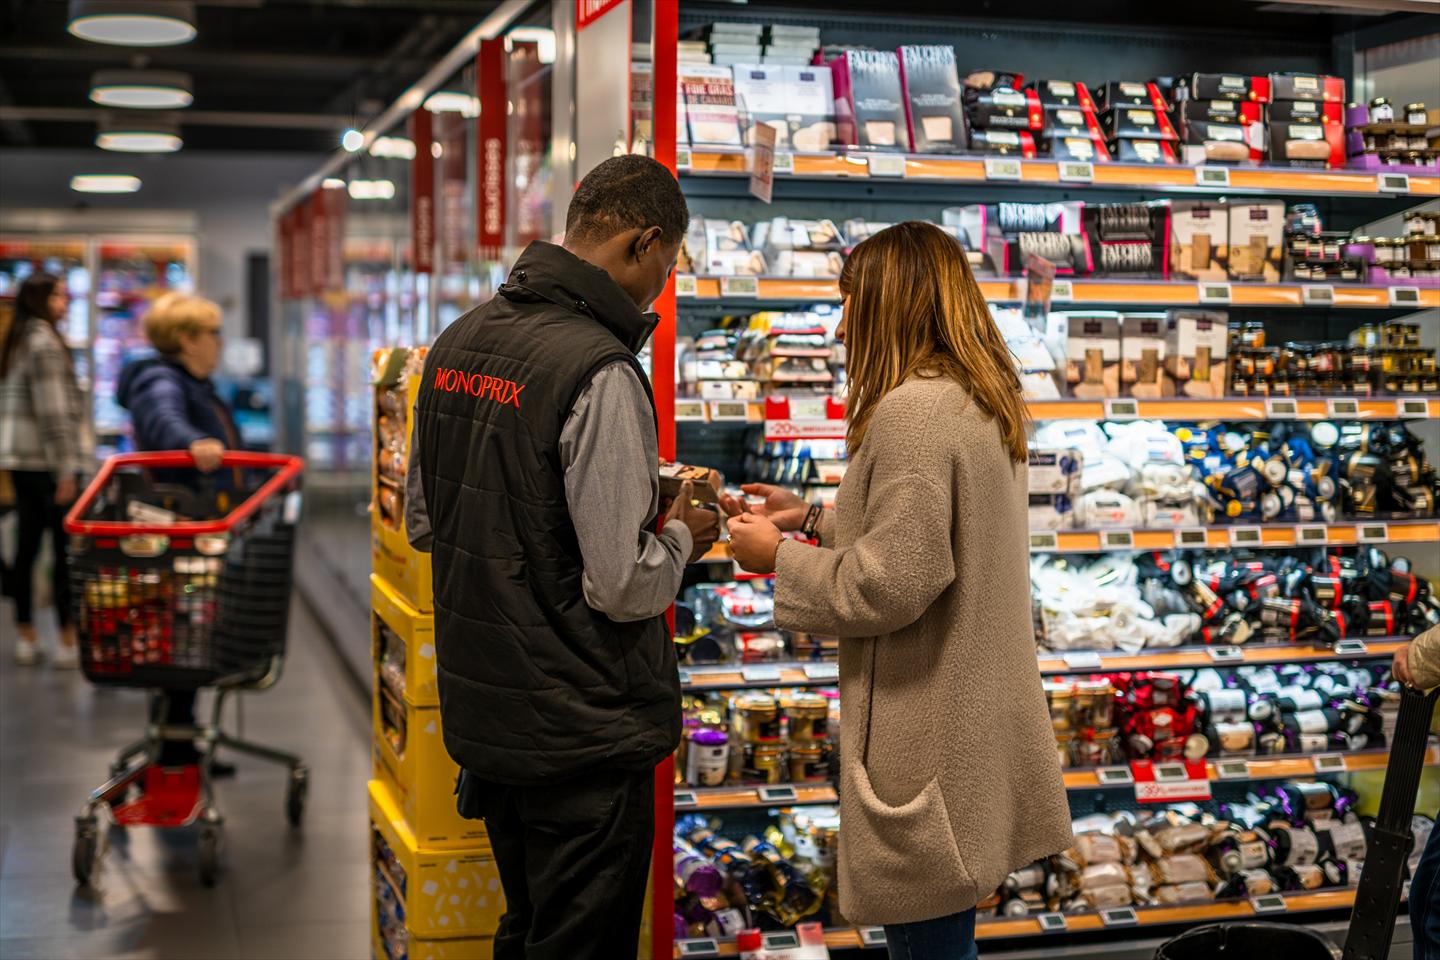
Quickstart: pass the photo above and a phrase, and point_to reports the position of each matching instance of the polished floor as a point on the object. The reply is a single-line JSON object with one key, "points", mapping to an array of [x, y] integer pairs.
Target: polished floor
{"points": [[282, 893]]}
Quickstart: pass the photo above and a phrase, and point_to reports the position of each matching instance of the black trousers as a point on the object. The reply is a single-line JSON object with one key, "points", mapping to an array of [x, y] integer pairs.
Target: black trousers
{"points": [[39, 515], [573, 859]]}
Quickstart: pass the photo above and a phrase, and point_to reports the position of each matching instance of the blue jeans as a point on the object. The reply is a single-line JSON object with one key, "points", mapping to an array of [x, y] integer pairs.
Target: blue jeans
{"points": [[1425, 901], [944, 938]]}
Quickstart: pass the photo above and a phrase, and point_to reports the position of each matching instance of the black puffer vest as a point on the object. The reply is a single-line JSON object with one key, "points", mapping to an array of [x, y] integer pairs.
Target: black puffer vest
{"points": [[535, 686]]}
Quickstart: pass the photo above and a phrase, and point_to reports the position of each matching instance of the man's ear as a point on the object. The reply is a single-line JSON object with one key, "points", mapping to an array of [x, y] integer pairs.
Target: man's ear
{"points": [[646, 242]]}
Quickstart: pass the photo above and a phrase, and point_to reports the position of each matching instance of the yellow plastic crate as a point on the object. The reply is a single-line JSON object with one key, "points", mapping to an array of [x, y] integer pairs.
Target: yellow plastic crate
{"points": [[416, 631], [411, 759], [460, 948], [446, 894], [391, 556]]}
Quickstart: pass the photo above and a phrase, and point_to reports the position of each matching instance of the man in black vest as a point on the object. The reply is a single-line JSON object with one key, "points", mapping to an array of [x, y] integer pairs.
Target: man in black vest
{"points": [[533, 482]]}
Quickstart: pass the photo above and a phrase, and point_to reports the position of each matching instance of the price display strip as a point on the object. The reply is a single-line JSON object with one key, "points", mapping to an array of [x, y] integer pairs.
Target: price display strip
{"points": [[1246, 537], [1405, 297], [685, 285], [698, 948], [1118, 409], [1218, 177], [1077, 171], [1312, 534], [1062, 291], [729, 410], [1052, 922], [1227, 653], [1351, 648], [685, 678], [1372, 533], [1281, 408], [1082, 660], [1336, 408], [822, 672], [1191, 537], [1117, 539], [1213, 292], [1392, 182], [887, 165], [1042, 540], [1412, 409], [1005, 168], [780, 940], [1269, 903], [760, 673], [783, 163], [1114, 776], [1317, 295], [686, 800], [872, 936], [1119, 917], [690, 411], [1328, 763], [682, 158], [1232, 770], [739, 287], [784, 793]]}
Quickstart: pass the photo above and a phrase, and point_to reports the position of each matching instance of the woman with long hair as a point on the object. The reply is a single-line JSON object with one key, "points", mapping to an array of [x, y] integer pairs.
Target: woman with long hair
{"points": [[949, 776], [46, 445]]}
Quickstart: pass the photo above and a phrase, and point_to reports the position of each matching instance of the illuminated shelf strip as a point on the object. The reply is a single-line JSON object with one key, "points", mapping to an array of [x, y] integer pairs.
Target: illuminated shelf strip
{"points": [[1272, 536], [741, 797], [1267, 768]]}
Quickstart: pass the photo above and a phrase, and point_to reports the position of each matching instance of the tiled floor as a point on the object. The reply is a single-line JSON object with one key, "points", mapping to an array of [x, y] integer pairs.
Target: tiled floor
{"points": [[282, 893]]}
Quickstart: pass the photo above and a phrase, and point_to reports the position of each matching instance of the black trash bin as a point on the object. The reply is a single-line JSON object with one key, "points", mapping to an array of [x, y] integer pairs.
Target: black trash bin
{"points": [[1249, 941]]}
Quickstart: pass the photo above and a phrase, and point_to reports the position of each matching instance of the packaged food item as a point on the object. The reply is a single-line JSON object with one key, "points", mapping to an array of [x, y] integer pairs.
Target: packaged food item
{"points": [[1297, 144], [1227, 86], [1093, 355], [1128, 150], [1120, 93], [811, 107], [706, 483], [760, 97], [709, 95], [1137, 123], [1005, 143], [1306, 86], [933, 108], [870, 100], [1257, 233], [1005, 108], [1199, 239], [1196, 352], [1057, 94]]}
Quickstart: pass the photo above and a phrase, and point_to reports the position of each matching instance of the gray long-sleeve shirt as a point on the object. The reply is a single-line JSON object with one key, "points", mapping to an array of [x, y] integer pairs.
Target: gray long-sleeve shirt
{"points": [[608, 451]]}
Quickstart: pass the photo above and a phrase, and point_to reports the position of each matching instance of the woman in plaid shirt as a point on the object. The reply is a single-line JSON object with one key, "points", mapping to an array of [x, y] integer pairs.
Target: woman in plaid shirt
{"points": [[46, 445]]}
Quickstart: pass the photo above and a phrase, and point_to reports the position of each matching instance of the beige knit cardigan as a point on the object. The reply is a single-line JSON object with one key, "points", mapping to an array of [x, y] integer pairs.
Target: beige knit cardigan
{"points": [[949, 774]]}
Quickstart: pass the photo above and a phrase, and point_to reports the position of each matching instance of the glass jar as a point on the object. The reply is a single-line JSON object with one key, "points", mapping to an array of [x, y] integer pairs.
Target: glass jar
{"points": [[1253, 335], [757, 718], [1094, 704], [763, 763], [1382, 110], [1060, 696], [809, 762], [707, 757], [1415, 114], [1359, 248], [808, 717]]}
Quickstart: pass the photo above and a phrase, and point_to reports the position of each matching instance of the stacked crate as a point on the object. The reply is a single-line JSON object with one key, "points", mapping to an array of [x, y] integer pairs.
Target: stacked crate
{"points": [[436, 889]]}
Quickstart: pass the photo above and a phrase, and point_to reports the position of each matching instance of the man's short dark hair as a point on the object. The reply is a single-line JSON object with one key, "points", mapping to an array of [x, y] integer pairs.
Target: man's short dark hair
{"points": [[628, 192]]}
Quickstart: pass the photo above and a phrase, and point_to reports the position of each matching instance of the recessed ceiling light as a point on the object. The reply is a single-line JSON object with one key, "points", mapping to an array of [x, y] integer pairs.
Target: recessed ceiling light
{"points": [[542, 37], [372, 189], [352, 140], [393, 148], [142, 89], [133, 23], [452, 101], [104, 183], [139, 133], [332, 183]]}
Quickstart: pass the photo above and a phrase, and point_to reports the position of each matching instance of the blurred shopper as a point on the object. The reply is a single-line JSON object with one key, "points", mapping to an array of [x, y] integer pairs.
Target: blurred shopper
{"points": [[46, 445], [173, 406], [1417, 664], [949, 778], [533, 461]]}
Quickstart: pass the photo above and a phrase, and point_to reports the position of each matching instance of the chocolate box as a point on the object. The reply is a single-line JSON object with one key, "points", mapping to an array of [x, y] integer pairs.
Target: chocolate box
{"points": [[1082, 148], [933, 110], [1320, 145], [1306, 86], [1137, 123], [1142, 151], [1257, 239], [1199, 239], [1241, 112], [1197, 347], [1120, 93], [1005, 108], [1005, 143], [1092, 352], [1222, 143], [869, 99], [1142, 356], [709, 93], [706, 484], [1228, 86], [1055, 94], [1304, 111]]}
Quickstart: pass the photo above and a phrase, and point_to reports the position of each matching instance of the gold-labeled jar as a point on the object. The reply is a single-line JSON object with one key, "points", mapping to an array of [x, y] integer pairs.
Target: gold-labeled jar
{"points": [[1094, 704], [807, 716], [763, 763], [809, 762], [1060, 696], [757, 718]]}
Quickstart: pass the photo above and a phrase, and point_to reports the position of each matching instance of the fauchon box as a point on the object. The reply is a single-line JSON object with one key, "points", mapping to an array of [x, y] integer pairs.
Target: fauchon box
{"points": [[1222, 143], [1086, 149], [1228, 86], [1126, 150], [1072, 122], [1320, 145], [1092, 355], [1197, 348], [707, 483], [809, 92], [1005, 108], [1120, 93], [1199, 239], [1257, 240], [1055, 94], [1305, 111], [1142, 356], [1005, 143], [1306, 86], [1239, 112], [870, 103], [1055, 470], [1138, 123], [729, 389], [933, 109], [709, 93], [760, 98]]}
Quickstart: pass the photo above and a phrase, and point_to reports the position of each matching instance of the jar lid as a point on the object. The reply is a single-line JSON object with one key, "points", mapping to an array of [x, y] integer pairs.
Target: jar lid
{"points": [[1380, 102], [1414, 106], [710, 737], [755, 701], [1361, 239]]}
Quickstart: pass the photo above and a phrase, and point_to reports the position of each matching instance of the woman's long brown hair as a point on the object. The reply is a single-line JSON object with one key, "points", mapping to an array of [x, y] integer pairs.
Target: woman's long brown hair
{"points": [[914, 305], [32, 300]]}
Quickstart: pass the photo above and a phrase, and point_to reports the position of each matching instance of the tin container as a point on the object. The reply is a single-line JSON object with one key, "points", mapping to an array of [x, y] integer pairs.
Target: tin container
{"points": [[757, 718]]}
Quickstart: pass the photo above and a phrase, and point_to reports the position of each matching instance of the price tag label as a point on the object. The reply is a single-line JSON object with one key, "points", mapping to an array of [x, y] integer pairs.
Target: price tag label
{"points": [[1268, 903], [872, 936], [887, 165], [685, 799], [1281, 408], [784, 163], [1002, 168], [1114, 776], [1044, 540], [690, 410], [698, 948], [1372, 533], [1170, 772], [1213, 292], [1312, 534], [1117, 539], [1337, 407], [1191, 537], [1077, 171], [807, 408], [1233, 770], [739, 287], [1212, 176], [1245, 537], [781, 794], [1351, 648], [782, 940], [1404, 296], [1328, 763], [1317, 295], [1081, 660], [1117, 409], [1052, 922], [1119, 917], [822, 672], [1411, 409], [685, 678], [1062, 291], [682, 158], [729, 410], [760, 673], [685, 285], [1393, 182], [1226, 653]]}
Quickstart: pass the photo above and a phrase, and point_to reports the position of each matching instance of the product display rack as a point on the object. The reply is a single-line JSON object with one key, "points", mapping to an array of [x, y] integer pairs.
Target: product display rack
{"points": [[840, 183]]}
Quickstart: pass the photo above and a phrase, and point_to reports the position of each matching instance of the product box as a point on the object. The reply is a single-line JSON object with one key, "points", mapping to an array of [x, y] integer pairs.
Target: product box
{"points": [[809, 94], [1305, 111], [1051, 511], [870, 103], [1241, 112], [415, 948], [1142, 357], [1057, 94], [1055, 470], [1073, 122], [706, 483], [1306, 86], [443, 894], [1257, 240], [1197, 348], [1006, 109], [1142, 151], [709, 93], [413, 764], [1199, 239], [402, 646], [760, 98], [1138, 123], [1092, 355], [1120, 93], [1319, 145], [933, 111], [397, 374], [1207, 143], [1082, 148], [1004, 143], [1228, 86]]}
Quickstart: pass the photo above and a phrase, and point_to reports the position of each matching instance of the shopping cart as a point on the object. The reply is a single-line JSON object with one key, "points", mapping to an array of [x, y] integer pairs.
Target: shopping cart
{"points": [[165, 600]]}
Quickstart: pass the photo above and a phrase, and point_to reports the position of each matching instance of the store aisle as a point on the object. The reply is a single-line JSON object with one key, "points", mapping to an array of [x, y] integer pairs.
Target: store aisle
{"points": [[281, 893]]}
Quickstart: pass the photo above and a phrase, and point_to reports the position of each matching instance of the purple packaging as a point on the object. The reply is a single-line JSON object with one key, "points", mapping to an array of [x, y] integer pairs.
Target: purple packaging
{"points": [[869, 100], [933, 113]]}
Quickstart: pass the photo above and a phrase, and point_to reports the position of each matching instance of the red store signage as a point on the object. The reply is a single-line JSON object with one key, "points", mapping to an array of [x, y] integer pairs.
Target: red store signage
{"points": [[422, 192], [490, 197], [588, 11]]}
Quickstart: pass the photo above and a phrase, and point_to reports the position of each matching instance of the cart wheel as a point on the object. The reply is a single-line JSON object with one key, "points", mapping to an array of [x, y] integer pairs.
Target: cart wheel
{"points": [[295, 795], [85, 855], [209, 854]]}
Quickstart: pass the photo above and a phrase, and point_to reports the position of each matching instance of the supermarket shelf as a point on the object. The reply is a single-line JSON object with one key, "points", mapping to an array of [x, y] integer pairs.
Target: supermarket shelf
{"points": [[1242, 769], [1266, 536], [742, 797], [759, 676], [1194, 658], [1282, 181], [1157, 293]]}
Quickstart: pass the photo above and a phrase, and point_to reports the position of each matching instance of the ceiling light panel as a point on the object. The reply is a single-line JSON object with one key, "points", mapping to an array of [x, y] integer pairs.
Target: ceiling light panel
{"points": [[133, 23], [104, 183], [142, 89]]}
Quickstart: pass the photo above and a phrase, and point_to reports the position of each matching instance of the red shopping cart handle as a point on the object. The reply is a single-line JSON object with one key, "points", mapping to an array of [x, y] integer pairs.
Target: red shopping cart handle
{"points": [[286, 467]]}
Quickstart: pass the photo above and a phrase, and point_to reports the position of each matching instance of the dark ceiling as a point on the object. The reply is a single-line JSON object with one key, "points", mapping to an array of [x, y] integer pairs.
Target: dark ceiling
{"points": [[269, 75]]}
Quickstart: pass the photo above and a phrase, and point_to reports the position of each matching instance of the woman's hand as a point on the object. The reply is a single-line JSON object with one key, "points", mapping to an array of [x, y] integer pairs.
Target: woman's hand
{"points": [[66, 489], [754, 541], [207, 452], [782, 508]]}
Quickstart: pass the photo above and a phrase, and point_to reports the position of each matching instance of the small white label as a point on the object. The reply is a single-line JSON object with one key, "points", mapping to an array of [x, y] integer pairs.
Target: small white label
{"points": [[822, 672], [1372, 533], [782, 940], [1312, 534], [1212, 176], [1411, 409], [1213, 292], [685, 678], [739, 287], [1335, 407], [1328, 763], [1044, 540], [1191, 537], [1281, 408], [294, 500], [1233, 770], [1351, 648], [698, 948], [1114, 776], [808, 408], [1393, 182], [1117, 409], [1404, 296], [1405, 891], [1245, 537], [1081, 660], [685, 285], [1227, 653], [1317, 295], [729, 410], [1170, 772], [1077, 171], [1062, 291], [1002, 168], [690, 410], [1268, 903], [682, 158], [1117, 539], [1119, 917], [1052, 922], [784, 163], [685, 799], [780, 794], [760, 673], [887, 165], [872, 936]]}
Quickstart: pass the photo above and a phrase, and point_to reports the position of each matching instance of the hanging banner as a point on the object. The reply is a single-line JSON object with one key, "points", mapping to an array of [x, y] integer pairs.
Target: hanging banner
{"points": [[300, 248], [527, 198], [319, 242], [285, 263], [490, 172], [336, 202], [422, 192], [455, 238], [588, 11]]}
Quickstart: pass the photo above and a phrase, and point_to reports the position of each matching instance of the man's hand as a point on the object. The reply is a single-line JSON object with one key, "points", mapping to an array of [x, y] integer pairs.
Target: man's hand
{"points": [[703, 523], [754, 541], [207, 452], [782, 508], [1401, 667]]}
